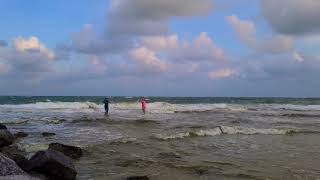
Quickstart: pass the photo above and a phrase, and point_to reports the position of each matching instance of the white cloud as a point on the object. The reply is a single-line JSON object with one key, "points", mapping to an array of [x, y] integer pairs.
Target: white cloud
{"points": [[296, 56], [202, 48], [246, 32], [222, 73], [26, 61], [161, 42], [97, 64], [148, 58], [203, 41], [32, 44]]}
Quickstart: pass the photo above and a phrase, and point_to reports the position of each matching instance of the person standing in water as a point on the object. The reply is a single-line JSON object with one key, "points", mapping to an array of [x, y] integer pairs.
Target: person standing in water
{"points": [[143, 104], [106, 105]]}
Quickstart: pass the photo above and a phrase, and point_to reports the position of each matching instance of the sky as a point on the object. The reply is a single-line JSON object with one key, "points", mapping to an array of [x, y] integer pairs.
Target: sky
{"points": [[241, 48]]}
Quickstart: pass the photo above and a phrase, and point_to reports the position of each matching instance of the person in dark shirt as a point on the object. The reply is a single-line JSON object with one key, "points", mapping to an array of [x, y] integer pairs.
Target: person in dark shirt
{"points": [[106, 105]]}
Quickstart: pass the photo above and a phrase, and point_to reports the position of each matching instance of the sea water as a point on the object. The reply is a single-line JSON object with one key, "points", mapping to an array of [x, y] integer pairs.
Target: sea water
{"points": [[178, 137]]}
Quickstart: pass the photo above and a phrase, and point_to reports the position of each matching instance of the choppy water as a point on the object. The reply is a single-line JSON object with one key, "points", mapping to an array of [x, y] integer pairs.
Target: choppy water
{"points": [[178, 138]]}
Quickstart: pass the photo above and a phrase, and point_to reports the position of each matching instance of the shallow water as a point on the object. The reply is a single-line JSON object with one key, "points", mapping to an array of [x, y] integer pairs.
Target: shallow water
{"points": [[179, 139]]}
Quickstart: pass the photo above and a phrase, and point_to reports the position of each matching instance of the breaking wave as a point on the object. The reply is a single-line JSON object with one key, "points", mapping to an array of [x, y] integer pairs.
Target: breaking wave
{"points": [[155, 107], [221, 130], [292, 107]]}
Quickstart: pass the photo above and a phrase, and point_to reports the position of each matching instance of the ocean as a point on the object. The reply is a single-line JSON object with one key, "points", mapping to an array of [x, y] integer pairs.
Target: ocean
{"points": [[178, 138]]}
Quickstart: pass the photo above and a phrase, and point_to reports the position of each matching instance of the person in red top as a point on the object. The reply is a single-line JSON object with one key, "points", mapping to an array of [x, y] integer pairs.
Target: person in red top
{"points": [[143, 104]]}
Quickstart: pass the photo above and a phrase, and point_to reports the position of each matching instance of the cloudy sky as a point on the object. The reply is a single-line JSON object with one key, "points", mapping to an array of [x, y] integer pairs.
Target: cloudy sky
{"points": [[160, 47]]}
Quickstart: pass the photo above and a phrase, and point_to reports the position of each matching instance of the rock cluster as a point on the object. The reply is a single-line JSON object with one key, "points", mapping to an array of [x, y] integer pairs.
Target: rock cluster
{"points": [[55, 163]]}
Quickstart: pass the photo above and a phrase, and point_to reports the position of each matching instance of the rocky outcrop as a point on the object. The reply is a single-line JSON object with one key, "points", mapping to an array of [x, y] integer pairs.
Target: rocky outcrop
{"points": [[2, 126], [6, 138], [9, 167], [17, 155], [71, 151], [53, 164]]}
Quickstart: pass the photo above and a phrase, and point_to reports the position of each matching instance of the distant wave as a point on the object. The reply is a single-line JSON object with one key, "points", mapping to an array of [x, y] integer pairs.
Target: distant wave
{"points": [[14, 121], [221, 130], [300, 115], [294, 107], [53, 105]]}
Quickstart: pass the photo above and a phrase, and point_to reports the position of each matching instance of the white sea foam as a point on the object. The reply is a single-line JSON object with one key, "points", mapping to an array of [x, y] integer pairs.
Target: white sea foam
{"points": [[174, 136], [252, 131], [230, 131], [208, 132]]}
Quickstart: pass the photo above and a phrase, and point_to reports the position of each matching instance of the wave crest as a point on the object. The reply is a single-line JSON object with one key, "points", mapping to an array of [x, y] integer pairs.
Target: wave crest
{"points": [[220, 130], [162, 107], [154, 107]]}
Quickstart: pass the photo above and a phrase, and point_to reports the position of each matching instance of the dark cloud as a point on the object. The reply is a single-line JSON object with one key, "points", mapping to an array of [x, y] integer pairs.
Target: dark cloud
{"points": [[292, 16], [278, 68], [62, 52], [3, 43], [30, 61], [87, 41], [144, 17]]}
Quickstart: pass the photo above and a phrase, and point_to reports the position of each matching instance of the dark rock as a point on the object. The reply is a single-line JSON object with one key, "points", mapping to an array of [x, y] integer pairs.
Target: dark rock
{"points": [[20, 135], [38, 176], [138, 178], [9, 167], [17, 155], [2, 126], [46, 134], [6, 138], [53, 164], [71, 151]]}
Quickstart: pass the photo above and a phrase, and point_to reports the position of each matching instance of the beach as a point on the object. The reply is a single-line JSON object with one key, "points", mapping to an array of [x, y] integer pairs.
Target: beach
{"points": [[178, 138]]}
